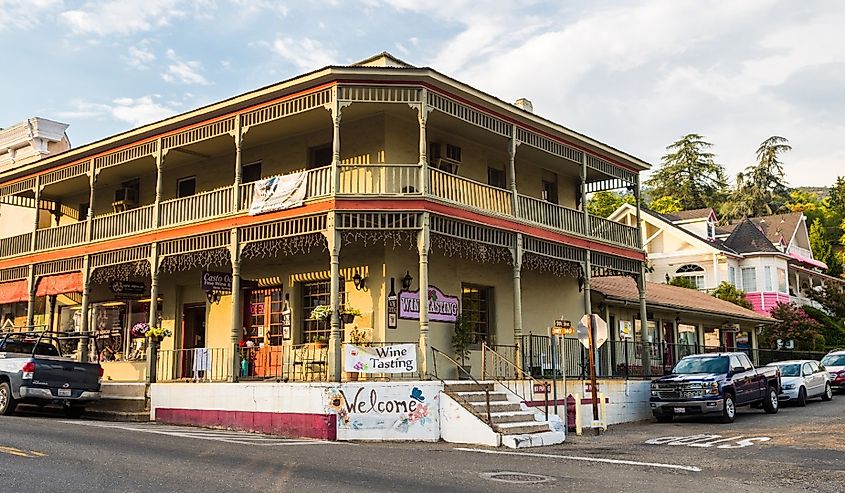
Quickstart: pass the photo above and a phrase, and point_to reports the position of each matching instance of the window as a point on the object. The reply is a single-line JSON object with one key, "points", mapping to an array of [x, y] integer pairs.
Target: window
{"points": [[749, 279], [251, 172], [263, 316], [314, 294], [782, 281], [449, 163], [732, 275], [807, 369], [434, 151], [746, 363], [320, 156], [453, 152], [550, 191], [694, 272], [735, 363], [496, 177], [185, 187], [711, 230], [477, 307], [767, 278]]}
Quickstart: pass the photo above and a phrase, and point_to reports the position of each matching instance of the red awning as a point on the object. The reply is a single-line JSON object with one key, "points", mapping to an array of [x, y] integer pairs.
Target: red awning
{"points": [[13, 292], [808, 261], [60, 284]]}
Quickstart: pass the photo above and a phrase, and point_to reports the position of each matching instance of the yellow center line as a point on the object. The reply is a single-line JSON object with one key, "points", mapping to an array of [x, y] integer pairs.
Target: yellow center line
{"points": [[20, 453]]}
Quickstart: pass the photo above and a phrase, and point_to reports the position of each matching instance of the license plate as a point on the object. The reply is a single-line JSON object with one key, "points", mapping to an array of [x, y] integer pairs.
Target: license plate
{"points": [[64, 392], [679, 410]]}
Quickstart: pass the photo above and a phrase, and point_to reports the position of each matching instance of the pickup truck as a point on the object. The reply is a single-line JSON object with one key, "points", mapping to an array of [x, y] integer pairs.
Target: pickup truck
{"points": [[33, 371], [714, 383]]}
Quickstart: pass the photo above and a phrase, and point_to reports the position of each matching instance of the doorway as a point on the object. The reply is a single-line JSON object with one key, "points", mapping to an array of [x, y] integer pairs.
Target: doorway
{"points": [[193, 326]]}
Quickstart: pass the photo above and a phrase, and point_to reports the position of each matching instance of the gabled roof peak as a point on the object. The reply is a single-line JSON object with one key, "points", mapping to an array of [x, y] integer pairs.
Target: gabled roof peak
{"points": [[383, 59]]}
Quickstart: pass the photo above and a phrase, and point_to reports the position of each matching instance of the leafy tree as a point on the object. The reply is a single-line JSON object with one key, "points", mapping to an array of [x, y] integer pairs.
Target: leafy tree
{"points": [[833, 330], [666, 204], [793, 323], [683, 282], [689, 173], [821, 247], [837, 196], [761, 188], [832, 298], [603, 204], [728, 292]]}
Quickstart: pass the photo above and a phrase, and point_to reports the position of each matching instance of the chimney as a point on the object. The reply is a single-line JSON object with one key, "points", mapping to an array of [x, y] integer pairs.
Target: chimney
{"points": [[524, 104]]}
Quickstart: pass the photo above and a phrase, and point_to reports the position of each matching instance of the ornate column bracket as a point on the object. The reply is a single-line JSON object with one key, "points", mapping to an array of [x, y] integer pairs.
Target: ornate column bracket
{"points": [[424, 247]]}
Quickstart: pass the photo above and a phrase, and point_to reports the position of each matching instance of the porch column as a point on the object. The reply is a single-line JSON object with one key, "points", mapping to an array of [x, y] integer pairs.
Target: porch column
{"points": [[37, 213], [422, 115], [237, 323], [89, 226], [30, 305], [152, 348], [583, 203], [236, 187], [511, 171], [159, 165], [715, 270], [588, 301], [82, 345], [517, 299], [51, 309], [423, 247], [644, 322], [335, 336], [335, 111]]}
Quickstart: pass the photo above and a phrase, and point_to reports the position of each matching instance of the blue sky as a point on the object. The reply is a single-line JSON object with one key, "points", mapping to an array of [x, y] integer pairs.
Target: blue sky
{"points": [[634, 74]]}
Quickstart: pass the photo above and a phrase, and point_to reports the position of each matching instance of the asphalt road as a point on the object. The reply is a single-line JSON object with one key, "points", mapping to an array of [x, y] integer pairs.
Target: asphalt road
{"points": [[805, 451]]}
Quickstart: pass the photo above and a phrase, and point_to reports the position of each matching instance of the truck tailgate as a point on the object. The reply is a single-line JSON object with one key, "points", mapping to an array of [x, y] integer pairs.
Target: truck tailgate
{"points": [[58, 373]]}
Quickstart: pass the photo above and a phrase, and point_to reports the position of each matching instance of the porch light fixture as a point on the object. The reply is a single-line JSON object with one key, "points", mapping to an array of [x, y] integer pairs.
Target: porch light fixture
{"points": [[359, 281], [213, 296], [407, 280], [581, 281]]}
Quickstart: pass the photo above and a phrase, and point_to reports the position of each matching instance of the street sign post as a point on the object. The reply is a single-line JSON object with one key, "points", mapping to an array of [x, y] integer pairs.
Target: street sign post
{"points": [[592, 332]]}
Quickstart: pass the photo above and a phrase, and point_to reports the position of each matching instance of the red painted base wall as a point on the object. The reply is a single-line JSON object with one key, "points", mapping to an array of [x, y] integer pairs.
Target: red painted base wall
{"points": [[294, 425]]}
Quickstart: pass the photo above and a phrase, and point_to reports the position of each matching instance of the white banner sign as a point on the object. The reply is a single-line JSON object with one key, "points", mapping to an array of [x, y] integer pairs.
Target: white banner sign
{"points": [[278, 193], [401, 358]]}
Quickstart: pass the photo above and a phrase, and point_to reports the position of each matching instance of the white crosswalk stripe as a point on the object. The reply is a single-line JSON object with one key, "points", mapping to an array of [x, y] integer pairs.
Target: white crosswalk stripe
{"points": [[239, 437]]}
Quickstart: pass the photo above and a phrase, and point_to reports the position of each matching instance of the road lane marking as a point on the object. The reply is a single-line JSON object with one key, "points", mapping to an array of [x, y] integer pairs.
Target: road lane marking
{"points": [[20, 453], [707, 441], [585, 459], [242, 438]]}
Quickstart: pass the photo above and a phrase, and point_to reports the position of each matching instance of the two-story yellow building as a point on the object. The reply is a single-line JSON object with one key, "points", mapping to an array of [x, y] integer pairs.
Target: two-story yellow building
{"points": [[390, 180]]}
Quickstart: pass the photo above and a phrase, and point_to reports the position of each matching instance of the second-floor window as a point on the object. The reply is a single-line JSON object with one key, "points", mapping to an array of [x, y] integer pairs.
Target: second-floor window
{"points": [[550, 191], [251, 172], [319, 156], [732, 275], [767, 278], [496, 178], [782, 287], [749, 279], [694, 272], [185, 187]]}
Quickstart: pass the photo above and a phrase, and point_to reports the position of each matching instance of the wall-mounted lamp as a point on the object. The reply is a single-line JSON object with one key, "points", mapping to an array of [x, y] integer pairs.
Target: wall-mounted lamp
{"points": [[407, 280], [213, 296], [359, 281], [677, 320], [581, 281]]}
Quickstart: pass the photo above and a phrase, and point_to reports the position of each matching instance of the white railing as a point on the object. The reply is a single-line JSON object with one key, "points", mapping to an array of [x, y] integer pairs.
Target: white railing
{"points": [[15, 245], [204, 205], [552, 215], [470, 193], [123, 223], [197, 365], [61, 236], [319, 182], [612, 231], [379, 179]]}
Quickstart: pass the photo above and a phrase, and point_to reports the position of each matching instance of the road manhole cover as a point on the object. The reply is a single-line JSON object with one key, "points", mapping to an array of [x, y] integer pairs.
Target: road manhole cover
{"points": [[516, 477]]}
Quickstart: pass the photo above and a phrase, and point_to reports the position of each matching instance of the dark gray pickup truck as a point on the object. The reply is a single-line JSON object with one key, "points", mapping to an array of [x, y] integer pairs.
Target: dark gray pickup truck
{"points": [[33, 371], [714, 383]]}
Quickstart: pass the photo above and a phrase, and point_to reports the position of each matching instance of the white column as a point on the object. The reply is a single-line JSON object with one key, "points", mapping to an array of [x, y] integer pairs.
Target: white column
{"points": [[82, 346], [335, 112], [517, 299], [423, 247], [511, 171], [159, 165], [30, 305], [37, 212], [335, 336], [422, 116], [236, 187], [152, 348], [237, 323], [89, 226], [716, 270]]}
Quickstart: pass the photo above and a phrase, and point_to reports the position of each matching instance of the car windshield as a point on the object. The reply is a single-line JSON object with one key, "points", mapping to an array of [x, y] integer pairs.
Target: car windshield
{"points": [[715, 364], [790, 370], [834, 360]]}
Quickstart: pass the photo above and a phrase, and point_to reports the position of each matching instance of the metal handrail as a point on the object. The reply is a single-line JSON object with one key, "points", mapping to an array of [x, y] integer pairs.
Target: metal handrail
{"points": [[519, 372], [460, 368]]}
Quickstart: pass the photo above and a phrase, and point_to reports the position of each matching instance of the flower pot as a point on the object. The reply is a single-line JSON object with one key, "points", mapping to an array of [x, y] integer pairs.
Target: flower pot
{"points": [[347, 318], [352, 376], [319, 344]]}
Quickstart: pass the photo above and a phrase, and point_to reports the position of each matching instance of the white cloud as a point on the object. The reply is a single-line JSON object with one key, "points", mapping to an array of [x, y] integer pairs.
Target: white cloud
{"points": [[306, 53], [140, 56], [135, 111], [25, 14], [184, 72], [103, 18]]}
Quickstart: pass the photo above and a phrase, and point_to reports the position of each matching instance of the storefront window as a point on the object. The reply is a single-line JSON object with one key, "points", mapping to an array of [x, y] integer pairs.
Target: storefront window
{"points": [[687, 335], [652, 331], [476, 308], [314, 294], [111, 324]]}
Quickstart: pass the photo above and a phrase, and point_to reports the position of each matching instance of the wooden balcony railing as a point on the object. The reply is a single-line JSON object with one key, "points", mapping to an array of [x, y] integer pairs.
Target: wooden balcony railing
{"points": [[551, 215], [62, 236], [15, 245], [379, 179], [319, 182], [123, 223], [607, 230], [470, 193], [205, 205]]}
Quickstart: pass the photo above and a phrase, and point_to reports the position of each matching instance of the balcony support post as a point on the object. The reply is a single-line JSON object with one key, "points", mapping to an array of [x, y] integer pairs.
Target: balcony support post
{"points": [[335, 335], [583, 201], [159, 165], [236, 188], [84, 326], [152, 348], [511, 171], [335, 107], [34, 243], [517, 299], [30, 305], [641, 285], [89, 226], [422, 116], [424, 246], [237, 323]]}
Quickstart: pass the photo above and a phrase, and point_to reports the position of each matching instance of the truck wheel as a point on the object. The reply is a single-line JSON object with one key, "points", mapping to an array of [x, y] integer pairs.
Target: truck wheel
{"points": [[664, 418], [7, 402], [828, 392], [802, 397], [729, 410], [770, 403]]}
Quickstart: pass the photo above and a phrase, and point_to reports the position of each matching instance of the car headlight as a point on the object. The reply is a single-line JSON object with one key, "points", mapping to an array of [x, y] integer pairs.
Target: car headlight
{"points": [[789, 386]]}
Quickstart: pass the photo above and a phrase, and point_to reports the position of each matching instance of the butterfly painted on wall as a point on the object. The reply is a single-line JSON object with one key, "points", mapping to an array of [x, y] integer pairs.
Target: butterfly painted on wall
{"points": [[417, 394]]}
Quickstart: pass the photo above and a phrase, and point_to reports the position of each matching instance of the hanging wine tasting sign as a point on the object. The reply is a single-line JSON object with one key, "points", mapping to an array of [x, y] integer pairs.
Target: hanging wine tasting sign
{"points": [[441, 307]]}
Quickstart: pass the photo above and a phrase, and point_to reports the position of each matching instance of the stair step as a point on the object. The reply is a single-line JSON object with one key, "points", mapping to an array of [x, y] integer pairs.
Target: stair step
{"points": [[468, 387], [543, 439], [482, 396], [512, 417], [523, 427], [480, 408]]}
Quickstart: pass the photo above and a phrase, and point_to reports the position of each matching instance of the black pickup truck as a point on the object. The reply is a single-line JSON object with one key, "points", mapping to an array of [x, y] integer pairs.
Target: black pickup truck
{"points": [[33, 371], [714, 383]]}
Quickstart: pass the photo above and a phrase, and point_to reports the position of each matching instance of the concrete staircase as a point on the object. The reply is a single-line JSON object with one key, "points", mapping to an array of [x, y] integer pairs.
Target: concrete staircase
{"points": [[120, 402], [517, 424]]}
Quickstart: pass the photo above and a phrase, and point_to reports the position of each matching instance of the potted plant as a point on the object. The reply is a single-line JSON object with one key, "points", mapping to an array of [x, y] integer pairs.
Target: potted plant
{"points": [[324, 312], [348, 314], [320, 342], [462, 339]]}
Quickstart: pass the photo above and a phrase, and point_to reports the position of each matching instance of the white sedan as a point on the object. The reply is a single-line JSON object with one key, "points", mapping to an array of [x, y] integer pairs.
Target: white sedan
{"points": [[803, 379]]}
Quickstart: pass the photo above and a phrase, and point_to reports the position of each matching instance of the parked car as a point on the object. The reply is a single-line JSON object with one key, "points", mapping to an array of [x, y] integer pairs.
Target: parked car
{"points": [[803, 379], [714, 383], [834, 362], [33, 371]]}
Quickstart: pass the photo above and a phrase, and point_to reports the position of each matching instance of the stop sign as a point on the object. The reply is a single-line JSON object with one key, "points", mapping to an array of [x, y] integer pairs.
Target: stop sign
{"points": [[599, 326]]}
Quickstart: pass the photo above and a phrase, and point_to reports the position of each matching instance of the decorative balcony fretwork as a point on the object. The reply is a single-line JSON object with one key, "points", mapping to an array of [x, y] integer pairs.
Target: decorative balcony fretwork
{"points": [[17, 187], [208, 241], [286, 108], [379, 94], [283, 229], [121, 272], [293, 245], [604, 265], [195, 260], [122, 256], [469, 114], [472, 251], [378, 220], [553, 250], [472, 232], [610, 169], [58, 266], [66, 173], [556, 266], [125, 155], [199, 133], [546, 144], [387, 238]]}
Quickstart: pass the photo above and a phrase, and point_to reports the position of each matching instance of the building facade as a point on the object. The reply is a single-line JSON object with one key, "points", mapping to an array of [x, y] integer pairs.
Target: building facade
{"points": [[351, 188]]}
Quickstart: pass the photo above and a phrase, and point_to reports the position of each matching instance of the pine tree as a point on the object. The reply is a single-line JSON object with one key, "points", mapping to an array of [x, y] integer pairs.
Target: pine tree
{"points": [[689, 174]]}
